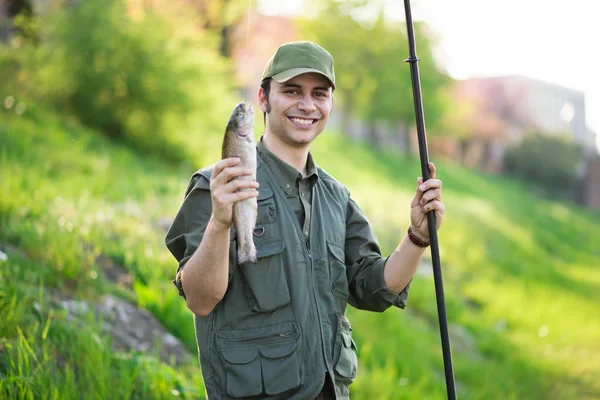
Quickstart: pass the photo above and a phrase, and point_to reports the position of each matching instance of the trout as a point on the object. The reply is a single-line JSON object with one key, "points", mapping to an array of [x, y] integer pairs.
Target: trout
{"points": [[239, 142]]}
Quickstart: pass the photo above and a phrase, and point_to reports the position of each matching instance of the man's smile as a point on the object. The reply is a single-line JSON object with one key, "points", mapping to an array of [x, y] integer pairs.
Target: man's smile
{"points": [[301, 121]]}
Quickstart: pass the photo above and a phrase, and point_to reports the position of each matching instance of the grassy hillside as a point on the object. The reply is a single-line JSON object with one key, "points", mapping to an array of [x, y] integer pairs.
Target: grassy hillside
{"points": [[521, 274]]}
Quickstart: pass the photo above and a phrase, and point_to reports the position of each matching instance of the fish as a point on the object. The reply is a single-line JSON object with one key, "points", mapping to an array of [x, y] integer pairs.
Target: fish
{"points": [[239, 142]]}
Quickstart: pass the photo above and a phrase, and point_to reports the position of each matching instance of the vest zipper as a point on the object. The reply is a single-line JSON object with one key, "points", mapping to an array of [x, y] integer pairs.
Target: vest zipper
{"points": [[300, 232], [264, 337]]}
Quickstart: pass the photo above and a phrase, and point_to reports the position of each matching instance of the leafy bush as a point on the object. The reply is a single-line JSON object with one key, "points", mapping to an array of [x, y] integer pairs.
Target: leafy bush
{"points": [[149, 80], [549, 160]]}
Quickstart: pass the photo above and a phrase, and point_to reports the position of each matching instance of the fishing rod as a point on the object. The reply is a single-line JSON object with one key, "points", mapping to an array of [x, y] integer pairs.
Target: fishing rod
{"points": [[435, 252]]}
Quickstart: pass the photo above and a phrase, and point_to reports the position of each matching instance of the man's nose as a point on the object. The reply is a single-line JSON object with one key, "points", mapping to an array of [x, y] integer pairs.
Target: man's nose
{"points": [[306, 104]]}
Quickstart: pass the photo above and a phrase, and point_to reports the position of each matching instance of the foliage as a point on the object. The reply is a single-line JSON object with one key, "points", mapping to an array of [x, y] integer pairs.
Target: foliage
{"points": [[372, 79], [515, 267], [546, 159], [221, 16], [70, 203], [155, 82]]}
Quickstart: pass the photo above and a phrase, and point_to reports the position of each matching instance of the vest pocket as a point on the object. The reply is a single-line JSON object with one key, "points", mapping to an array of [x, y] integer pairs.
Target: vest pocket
{"points": [[242, 369], [337, 268], [261, 361], [347, 362], [280, 367], [266, 279], [266, 212]]}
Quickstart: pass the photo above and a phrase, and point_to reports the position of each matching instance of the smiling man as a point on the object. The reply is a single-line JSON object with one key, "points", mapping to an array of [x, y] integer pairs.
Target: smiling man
{"points": [[277, 329]]}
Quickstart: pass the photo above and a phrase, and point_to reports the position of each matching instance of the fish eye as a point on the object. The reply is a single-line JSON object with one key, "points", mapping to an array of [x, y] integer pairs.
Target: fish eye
{"points": [[240, 115]]}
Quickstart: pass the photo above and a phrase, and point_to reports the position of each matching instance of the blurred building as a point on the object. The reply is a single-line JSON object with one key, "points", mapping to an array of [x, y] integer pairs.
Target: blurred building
{"points": [[591, 187], [506, 108], [527, 103]]}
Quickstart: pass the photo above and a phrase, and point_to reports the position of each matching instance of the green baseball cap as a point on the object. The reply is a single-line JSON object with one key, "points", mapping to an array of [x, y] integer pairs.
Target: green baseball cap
{"points": [[295, 58]]}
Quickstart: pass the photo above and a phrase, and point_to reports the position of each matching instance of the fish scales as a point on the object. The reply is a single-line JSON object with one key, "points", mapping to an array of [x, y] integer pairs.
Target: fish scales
{"points": [[239, 142]]}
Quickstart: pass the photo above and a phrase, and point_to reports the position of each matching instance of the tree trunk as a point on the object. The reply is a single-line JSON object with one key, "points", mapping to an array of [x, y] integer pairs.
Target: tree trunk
{"points": [[486, 160], [345, 120], [464, 147], [373, 135], [224, 31], [224, 47], [404, 134]]}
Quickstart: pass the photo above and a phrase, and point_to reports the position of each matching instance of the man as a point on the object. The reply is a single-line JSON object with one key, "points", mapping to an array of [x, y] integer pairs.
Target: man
{"points": [[277, 328]]}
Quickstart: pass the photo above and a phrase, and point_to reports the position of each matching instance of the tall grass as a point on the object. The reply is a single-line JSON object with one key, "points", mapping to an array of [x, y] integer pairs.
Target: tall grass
{"points": [[46, 354], [521, 279], [520, 272]]}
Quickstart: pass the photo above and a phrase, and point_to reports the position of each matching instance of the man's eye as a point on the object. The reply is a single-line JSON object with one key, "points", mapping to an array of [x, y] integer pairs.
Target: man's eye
{"points": [[292, 91], [320, 95]]}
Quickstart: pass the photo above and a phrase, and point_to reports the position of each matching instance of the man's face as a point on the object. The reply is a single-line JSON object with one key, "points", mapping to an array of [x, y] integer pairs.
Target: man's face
{"points": [[299, 108]]}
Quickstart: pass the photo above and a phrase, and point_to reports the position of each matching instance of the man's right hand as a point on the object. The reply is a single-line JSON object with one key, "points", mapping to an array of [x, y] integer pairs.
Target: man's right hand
{"points": [[225, 190]]}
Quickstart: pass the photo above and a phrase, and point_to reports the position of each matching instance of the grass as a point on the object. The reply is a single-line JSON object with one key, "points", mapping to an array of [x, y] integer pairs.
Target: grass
{"points": [[521, 281], [520, 272]]}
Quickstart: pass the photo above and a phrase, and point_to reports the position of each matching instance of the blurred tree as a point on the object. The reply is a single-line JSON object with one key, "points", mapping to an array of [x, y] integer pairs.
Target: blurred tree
{"points": [[372, 79], [221, 16], [19, 13], [157, 83], [549, 160]]}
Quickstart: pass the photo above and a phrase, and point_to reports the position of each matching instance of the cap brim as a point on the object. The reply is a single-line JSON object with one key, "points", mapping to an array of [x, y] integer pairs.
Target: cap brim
{"points": [[291, 73]]}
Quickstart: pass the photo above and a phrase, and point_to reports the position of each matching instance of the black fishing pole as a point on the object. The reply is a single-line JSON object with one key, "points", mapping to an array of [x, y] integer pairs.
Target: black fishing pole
{"points": [[435, 252]]}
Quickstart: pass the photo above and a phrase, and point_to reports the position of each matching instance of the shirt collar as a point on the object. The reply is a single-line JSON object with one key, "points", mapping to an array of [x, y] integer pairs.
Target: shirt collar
{"points": [[287, 176]]}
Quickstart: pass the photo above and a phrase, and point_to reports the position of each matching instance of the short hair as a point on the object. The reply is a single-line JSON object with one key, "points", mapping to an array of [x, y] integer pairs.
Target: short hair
{"points": [[265, 85]]}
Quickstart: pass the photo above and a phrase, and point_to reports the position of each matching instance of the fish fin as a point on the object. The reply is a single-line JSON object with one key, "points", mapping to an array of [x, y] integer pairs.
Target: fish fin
{"points": [[246, 258], [247, 255]]}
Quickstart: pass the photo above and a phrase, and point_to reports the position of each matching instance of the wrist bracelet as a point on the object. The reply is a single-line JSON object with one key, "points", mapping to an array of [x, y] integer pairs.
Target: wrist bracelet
{"points": [[413, 238]]}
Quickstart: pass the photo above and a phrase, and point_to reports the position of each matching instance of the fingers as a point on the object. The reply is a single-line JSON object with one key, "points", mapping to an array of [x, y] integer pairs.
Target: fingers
{"points": [[227, 174], [238, 196], [222, 190], [430, 184], [424, 188], [225, 163], [434, 205], [431, 170], [431, 194], [240, 184], [418, 195], [223, 182]]}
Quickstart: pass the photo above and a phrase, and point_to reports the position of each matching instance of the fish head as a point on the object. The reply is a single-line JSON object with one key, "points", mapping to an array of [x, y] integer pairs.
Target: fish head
{"points": [[241, 121]]}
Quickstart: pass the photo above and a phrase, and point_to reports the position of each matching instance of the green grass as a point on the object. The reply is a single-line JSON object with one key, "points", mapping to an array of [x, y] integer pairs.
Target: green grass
{"points": [[521, 279], [520, 272]]}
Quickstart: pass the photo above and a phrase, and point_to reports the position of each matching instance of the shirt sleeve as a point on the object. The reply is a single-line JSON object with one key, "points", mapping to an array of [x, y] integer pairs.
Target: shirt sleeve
{"points": [[365, 265], [186, 232]]}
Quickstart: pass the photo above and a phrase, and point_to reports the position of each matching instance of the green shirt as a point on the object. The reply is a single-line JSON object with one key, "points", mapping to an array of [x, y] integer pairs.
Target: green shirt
{"points": [[282, 323], [297, 188]]}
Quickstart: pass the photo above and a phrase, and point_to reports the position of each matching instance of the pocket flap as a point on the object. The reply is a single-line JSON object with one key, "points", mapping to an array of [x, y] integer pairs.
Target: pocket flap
{"points": [[238, 355], [337, 252], [264, 193], [347, 340], [269, 248], [278, 351]]}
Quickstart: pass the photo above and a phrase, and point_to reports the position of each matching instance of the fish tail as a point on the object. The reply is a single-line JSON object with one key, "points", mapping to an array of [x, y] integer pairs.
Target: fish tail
{"points": [[247, 253]]}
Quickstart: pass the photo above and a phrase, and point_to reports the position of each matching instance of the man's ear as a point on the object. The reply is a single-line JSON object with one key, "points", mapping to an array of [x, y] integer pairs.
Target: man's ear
{"points": [[262, 99]]}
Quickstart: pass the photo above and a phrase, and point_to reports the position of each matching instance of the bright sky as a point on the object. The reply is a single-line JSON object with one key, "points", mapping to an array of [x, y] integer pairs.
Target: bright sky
{"points": [[555, 41]]}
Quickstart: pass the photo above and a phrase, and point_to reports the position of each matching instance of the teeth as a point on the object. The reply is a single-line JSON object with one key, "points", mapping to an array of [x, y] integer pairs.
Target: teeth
{"points": [[305, 122]]}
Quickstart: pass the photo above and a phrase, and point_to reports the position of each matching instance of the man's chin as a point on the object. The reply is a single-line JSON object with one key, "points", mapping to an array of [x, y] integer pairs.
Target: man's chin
{"points": [[303, 137]]}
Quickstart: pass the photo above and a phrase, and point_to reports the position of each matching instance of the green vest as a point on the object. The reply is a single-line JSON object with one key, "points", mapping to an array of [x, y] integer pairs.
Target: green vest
{"points": [[281, 324]]}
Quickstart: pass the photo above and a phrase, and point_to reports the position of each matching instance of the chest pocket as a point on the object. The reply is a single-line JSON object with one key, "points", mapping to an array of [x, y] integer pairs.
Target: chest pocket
{"points": [[337, 268], [267, 213]]}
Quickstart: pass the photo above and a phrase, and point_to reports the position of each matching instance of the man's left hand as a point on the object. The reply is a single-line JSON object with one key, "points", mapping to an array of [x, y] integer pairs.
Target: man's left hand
{"points": [[427, 198]]}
